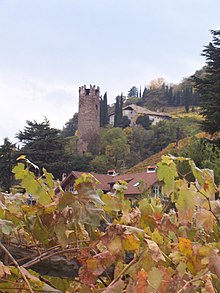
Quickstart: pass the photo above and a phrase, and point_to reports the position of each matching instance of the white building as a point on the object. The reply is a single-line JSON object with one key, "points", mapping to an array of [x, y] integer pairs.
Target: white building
{"points": [[133, 111]]}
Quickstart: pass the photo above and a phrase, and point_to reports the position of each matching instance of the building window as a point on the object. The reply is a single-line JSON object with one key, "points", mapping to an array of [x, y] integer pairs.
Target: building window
{"points": [[156, 190], [71, 189], [136, 184]]}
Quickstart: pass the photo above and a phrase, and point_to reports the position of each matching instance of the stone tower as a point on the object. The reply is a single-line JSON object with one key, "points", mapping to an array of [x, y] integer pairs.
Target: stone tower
{"points": [[89, 116]]}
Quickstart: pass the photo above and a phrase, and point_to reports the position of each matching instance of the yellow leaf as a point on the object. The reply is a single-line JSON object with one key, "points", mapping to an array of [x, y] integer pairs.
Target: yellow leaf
{"points": [[185, 246], [130, 242], [156, 236]]}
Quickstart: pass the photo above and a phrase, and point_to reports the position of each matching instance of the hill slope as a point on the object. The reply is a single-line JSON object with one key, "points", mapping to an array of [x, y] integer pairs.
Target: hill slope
{"points": [[171, 148]]}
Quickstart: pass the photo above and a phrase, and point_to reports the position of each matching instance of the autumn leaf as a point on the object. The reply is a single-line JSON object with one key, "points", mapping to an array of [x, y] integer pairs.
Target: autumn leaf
{"points": [[117, 287], [185, 247], [208, 285], [130, 242], [155, 277], [154, 250], [214, 262], [4, 270], [141, 282], [205, 219]]}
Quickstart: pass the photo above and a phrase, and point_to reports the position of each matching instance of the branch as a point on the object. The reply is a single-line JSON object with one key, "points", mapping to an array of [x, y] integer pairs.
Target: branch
{"points": [[17, 266], [125, 269], [46, 256]]}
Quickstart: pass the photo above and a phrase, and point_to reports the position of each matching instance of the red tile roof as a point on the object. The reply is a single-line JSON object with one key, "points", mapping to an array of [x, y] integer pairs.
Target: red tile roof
{"points": [[148, 178], [106, 181]]}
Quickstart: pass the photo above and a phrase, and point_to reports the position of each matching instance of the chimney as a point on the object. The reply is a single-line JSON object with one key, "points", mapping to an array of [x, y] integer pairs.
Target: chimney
{"points": [[63, 176]]}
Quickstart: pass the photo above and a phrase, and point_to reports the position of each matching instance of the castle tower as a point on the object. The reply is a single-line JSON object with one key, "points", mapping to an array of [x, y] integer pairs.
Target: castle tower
{"points": [[88, 117]]}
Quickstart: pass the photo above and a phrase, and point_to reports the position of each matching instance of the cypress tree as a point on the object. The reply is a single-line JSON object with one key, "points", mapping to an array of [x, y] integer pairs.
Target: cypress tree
{"points": [[105, 110], [117, 112], [101, 111]]}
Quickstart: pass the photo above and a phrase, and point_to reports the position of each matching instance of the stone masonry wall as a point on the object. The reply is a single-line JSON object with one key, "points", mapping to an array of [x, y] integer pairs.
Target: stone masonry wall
{"points": [[89, 116]]}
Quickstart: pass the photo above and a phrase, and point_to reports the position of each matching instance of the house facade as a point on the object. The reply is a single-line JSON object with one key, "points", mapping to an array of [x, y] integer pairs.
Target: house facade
{"points": [[137, 183], [133, 111]]}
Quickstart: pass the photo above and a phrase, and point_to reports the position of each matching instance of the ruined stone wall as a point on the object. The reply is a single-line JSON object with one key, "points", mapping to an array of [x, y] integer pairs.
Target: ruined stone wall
{"points": [[89, 116]]}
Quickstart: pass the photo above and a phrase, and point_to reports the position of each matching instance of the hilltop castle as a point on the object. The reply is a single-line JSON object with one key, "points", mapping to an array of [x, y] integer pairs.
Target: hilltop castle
{"points": [[88, 117]]}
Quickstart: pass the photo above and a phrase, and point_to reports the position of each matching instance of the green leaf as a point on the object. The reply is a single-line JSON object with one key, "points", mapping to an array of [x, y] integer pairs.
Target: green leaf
{"points": [[167, 172], [40, 232], [30, 184], [155, 277], [44, 197], [181, 268], [6, 227], [49, 178], [66, 199], [19, 171]]}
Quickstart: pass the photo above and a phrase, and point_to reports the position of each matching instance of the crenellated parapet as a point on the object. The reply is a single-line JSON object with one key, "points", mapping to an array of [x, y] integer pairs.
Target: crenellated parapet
{"points": [[92, 91]]}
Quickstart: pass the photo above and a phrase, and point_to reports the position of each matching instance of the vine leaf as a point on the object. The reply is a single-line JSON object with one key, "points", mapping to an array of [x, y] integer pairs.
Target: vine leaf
{"points": [[6, 226], [4, 271], [155, 277], [185, 246], [167, 172], [205, 219], [141, 282], [90, 203], [117, 287], [154, 250], [214, 262]]}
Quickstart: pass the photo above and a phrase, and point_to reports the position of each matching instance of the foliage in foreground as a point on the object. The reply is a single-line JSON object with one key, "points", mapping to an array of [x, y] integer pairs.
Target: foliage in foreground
{"points": [[119, 246]]}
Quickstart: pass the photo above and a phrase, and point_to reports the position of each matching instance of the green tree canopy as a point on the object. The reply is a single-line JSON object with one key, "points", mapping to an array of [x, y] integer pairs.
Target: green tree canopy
{"points": [[71, 126], [103, 110], [43, 145], [144, 121], [208, 86], [7, 160], [133, 92]]}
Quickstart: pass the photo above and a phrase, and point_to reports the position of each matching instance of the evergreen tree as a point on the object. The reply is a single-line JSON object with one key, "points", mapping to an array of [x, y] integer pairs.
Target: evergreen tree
{"points": [[70, 127], [133, 92], [144, 121], [117, 118], [144, 95], [187, 96], [7, 160], [43, 145], [125, 122], [101, 112], [105, 109], [209, 86]]}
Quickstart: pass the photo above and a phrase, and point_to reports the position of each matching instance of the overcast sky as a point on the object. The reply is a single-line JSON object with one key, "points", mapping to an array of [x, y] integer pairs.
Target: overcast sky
{"points": [[48, 48]]}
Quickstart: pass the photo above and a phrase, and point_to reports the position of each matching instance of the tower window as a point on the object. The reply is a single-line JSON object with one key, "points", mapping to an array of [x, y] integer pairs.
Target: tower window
{"points": [[96, 106], [87, 92]]}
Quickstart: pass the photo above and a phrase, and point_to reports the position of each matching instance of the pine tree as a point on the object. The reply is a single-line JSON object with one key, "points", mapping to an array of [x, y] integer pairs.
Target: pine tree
{"points": [[209, 86]]}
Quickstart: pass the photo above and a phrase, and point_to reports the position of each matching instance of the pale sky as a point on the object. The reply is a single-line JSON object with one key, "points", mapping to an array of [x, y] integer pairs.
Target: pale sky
{"points": [[49, 48]]}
